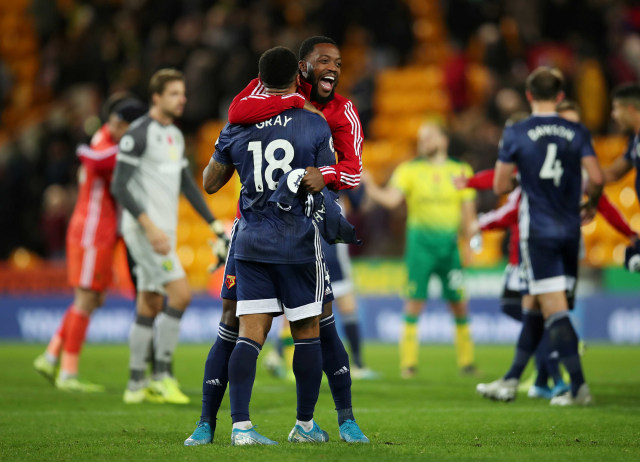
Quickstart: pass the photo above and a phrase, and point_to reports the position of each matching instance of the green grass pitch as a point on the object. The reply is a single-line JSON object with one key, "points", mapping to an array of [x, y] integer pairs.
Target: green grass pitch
{"points": [[436, 416]]}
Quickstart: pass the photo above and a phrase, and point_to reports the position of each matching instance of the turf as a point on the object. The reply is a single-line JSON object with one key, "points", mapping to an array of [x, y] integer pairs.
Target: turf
{"points": [[435, 416]]}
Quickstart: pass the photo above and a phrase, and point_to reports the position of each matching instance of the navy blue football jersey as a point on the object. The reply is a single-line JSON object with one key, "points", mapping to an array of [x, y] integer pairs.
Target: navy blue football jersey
{"points": [[633, 157], [262, 153], [548, 152]]}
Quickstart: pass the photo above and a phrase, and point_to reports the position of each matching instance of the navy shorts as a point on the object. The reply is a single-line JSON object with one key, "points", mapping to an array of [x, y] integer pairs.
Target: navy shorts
{"points": [[228, 290], [297, 290], [339, 266], [549, 265]]}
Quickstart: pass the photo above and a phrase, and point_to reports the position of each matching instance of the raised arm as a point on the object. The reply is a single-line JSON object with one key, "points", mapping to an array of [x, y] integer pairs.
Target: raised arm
{"points": [[252, 105]]}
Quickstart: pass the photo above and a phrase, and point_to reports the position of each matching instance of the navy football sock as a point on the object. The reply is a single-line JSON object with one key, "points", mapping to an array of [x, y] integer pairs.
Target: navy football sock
{"points": [[335, 364], [307, 358], [542, 353], [216, 372], [563, 339], [530, 335], [352, 330], [513, 310], [242, 374]]}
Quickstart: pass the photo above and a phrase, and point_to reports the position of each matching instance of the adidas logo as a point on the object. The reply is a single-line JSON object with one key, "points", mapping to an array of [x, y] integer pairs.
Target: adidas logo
{"points": [[342, 370], [214, 382]]}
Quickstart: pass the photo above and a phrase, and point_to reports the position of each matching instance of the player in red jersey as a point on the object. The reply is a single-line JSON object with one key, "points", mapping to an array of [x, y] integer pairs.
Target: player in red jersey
{"points": [[91, 240], [320, 63]]}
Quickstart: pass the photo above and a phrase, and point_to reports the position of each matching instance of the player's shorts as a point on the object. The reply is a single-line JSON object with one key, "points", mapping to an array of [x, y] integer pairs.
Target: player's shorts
{"points": [[89, 267], [229, 286], [153, 270], [549, 265], [297, 290], [339, 266], [442, 260]]}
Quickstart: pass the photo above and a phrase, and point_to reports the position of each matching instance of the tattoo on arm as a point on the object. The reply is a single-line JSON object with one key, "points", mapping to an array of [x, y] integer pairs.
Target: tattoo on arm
{"points": [[216, 175]]}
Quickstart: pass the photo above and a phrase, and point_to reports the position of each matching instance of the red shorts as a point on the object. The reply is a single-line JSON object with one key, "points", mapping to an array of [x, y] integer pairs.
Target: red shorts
{"points": [[89, 267]]}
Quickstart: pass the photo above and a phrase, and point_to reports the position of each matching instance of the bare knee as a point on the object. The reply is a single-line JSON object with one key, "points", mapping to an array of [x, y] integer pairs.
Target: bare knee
{"points": [[178, 294], [229, 313], [305, 328]]}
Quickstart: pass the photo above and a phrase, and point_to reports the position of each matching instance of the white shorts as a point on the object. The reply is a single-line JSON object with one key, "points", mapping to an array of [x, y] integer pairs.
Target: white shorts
{"points": [[153, 270]]}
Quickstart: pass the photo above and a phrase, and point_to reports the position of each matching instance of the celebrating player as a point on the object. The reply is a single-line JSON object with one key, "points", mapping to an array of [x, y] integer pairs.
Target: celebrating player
{"points": [[277, 250], [91, 240], [549, 153], [150, 174], [319, 65], [436, 213]]}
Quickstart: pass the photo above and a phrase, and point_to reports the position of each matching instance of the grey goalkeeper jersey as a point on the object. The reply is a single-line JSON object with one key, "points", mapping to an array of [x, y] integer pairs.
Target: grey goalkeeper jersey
{"points": [[157, 152]]}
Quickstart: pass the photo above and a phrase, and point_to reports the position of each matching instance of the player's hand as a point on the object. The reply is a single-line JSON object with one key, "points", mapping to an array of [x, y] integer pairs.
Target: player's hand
{"points": [[460, 181], [587, 213], [313, 181], [159, 240], [311, 108], [219, 247]]}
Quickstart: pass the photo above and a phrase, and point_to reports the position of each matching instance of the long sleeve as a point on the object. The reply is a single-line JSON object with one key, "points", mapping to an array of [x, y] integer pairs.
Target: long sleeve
{"points": [[252, 105], [347, 140], [502, 217], [124, 171], [482, 180], [194, 196], [614, 217]]}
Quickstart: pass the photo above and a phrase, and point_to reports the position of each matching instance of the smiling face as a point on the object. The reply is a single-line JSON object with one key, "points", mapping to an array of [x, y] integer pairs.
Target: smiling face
{"points": [[321, 68]]}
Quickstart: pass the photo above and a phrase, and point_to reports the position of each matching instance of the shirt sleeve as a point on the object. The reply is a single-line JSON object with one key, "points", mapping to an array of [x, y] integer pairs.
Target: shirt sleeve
{"points": [[222, 153], [192, 193], [102, 161], [467, 194], [252, 105], [614, 217], [507, 149], [502, 217], [628, 155], [586, 149], [401, 179], [131, 148], [325, 154], [347, 139], [482, 180]]}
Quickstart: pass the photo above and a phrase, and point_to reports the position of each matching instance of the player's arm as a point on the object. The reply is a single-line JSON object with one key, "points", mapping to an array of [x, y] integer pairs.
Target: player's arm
{"points": [[503, 179], [190, 190], [127, 163], [595, 177], [614, 217], [481, 180], [390, 196], [617, 170], [220, 168], [347, 139], [102, 161], [502, 217], [252, 105]]}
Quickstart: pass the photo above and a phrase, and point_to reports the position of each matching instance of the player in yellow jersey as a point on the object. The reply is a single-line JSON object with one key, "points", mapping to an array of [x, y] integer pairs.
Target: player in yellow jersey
{"points": [[437, 213]]}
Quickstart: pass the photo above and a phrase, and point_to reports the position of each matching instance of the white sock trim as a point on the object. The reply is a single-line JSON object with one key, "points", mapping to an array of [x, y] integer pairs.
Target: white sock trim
{"points": [[306, 426], [244, 425]]}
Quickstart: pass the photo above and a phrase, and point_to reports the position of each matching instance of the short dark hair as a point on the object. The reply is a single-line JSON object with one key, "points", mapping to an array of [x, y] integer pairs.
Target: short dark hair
{"points": [[629, 93], [129, 109], [278, 67], [545, 83], [568, 105], [307, 46], [161, 78]]}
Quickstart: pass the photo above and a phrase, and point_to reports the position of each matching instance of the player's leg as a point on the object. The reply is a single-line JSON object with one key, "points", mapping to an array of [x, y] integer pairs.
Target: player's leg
{"points": [[257, 303], [452, 278]]}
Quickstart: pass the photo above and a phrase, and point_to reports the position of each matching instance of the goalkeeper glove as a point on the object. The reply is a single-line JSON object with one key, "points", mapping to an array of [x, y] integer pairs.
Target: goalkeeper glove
{"points": [[219, 247]]}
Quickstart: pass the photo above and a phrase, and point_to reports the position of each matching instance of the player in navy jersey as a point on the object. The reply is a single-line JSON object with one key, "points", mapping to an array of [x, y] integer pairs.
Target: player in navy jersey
{"points": [[279, 262], [549, 153]]}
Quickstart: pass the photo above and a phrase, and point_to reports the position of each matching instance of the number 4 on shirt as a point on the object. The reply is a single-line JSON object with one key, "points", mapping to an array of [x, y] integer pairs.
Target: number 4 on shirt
{"points": [[552, 167]]}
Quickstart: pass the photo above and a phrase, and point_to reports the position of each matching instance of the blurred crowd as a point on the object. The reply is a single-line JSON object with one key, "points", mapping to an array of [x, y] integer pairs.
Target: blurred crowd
{"points": [[88, 50]]}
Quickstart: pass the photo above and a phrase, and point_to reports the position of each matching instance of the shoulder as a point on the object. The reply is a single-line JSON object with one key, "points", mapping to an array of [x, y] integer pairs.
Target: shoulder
{"points": [[102, 139], [140, 126], [343, 108], [135, 140]]}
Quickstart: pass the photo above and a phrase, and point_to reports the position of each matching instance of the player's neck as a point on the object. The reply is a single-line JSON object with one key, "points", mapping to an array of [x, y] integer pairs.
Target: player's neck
{"points": [[543, 107], [160, 116], [437, 158]]}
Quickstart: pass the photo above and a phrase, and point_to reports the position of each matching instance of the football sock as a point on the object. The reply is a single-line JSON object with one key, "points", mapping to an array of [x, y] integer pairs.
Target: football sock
{"points": [[335, 364], [563, 339], [242, 374], [74, 339], [165, 340], [463, 342], [287, 348], [55, 344], [513, 310], [244, 425], [306, 367], [409, 342], [216, 372], [352, 331], [542, 353], [139, 341], [530, 335], [306, 425]]}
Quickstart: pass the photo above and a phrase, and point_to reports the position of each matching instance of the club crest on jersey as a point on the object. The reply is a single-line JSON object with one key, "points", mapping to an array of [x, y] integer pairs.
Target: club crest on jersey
{"points": [[230, 281], [167, 265]]}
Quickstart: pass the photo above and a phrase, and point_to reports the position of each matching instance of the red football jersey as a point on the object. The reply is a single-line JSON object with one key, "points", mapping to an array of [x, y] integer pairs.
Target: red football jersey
{"points": [[95, 216], [252, 105]]}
